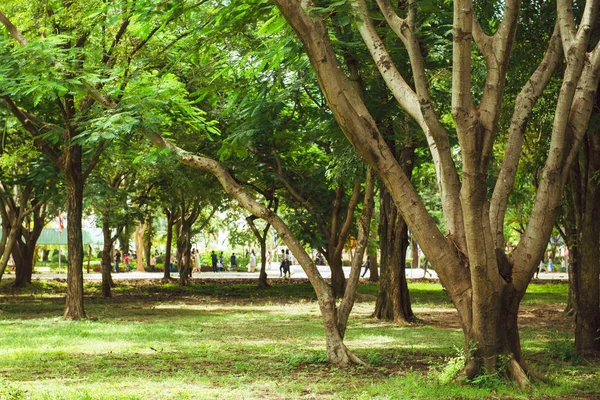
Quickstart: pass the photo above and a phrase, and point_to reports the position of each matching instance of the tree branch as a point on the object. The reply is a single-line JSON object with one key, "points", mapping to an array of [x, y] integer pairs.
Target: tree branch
{"points": [[524, 104], [14, 32]]}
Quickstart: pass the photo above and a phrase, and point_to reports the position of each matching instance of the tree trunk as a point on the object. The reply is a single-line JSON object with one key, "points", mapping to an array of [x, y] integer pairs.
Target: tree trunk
{"points": [[168, 245], [587, 316], [262, 277], [45, 254], [338, 279], [74, 309], [107, 282], [184, 251], [139, 246], [373, 268], [23, 265], [148, 241], [393, 302]]}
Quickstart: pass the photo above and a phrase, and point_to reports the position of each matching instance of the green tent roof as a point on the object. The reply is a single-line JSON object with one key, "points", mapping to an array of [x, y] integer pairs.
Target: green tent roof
{"points": [[54, 236]]}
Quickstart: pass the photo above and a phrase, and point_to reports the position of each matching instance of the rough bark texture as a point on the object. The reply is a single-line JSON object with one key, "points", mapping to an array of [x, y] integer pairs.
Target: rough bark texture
{"points": [[393, 301], [469, 260], [24, 249], [587, 315], [74, 309]]}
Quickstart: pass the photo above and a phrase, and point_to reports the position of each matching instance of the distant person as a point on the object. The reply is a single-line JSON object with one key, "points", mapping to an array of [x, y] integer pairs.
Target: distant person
{"points": [[269, 259], [153, 261], [222, 260], [213, 258], [288, 263], [366, 268], [117, 260], [282, 265], [252, 261], [233, 261], [127, 261]]}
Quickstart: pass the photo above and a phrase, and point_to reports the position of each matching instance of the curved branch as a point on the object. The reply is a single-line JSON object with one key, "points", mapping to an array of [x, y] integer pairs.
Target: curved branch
{"points": [[233, 188], [524, 103]]}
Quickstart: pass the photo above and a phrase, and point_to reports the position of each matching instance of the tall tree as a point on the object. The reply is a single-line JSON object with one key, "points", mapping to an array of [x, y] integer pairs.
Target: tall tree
{"points": [[485, 286]]}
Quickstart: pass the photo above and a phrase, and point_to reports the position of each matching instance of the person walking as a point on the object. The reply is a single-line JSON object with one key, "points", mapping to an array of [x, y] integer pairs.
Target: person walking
{"points": [[252, 261], [233, 262], [282, 265], [117, 260], [213, 259], [366, 268], [288, 261]]}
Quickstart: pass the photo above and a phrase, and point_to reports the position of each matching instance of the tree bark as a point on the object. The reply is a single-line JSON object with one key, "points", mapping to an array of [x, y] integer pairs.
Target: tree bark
{"points": [[393, 301], [74, 309], [587, 315], [24, 249], [170, 222]]}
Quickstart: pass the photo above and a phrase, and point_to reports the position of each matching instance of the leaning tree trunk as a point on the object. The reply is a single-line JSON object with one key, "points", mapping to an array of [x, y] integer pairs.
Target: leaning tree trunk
{"points": [[393, 302], [74, 309]]}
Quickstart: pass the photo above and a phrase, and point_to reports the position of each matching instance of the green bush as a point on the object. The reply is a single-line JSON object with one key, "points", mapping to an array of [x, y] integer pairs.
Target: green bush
{"points": [[63, 259]]}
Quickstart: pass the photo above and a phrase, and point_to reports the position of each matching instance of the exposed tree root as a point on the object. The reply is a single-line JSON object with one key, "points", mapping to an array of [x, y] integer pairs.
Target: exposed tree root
{"points": [[517, 374]]}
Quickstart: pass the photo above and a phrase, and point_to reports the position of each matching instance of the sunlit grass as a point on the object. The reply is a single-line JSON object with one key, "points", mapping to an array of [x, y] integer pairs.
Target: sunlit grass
{"points": [[214, 341]]}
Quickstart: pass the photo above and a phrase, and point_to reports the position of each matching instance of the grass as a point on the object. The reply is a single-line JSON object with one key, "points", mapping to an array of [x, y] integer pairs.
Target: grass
{"points": [[234, 341]]}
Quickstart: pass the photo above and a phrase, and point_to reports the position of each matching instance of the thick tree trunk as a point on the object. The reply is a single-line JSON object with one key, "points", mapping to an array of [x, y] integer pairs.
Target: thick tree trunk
{"points": [[23, 266], [393, 302], [24, 250], [74, 309], [587, 316]]}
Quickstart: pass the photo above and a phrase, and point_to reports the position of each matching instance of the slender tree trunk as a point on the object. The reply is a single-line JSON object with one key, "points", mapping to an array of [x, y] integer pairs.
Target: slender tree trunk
{"points": [[139, 246], [74, 309], [262, 277], [148, 241], [184, 251], [168, 245], [107, 282]]}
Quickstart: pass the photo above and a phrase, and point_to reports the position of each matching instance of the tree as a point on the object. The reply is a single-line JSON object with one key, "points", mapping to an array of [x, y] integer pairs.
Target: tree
{"points": [[335, 318], [485, 286]]}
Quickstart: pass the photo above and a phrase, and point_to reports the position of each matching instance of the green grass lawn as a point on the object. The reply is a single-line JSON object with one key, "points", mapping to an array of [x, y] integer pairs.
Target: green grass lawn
{"points": [[214, 341]]}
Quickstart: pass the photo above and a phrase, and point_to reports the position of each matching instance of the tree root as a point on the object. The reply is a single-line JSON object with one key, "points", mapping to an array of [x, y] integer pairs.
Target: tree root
{"points": [[517, 374]]}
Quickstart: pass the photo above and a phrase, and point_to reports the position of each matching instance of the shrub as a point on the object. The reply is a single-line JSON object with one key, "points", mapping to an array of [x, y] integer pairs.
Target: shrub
{"points": [[63, 259]]}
